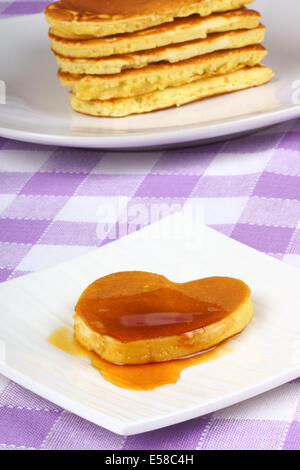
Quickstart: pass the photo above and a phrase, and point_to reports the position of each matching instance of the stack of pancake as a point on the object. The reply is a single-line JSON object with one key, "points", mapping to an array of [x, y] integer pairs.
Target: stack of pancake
{"points": [[126, 57]]}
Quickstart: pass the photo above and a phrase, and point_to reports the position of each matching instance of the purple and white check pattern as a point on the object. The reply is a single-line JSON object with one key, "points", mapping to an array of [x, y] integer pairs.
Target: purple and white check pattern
{"points": [[49, 198]]}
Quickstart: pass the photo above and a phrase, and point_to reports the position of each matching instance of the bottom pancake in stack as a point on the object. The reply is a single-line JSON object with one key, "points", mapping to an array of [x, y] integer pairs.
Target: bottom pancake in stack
{"points": [[175, 96], [166, 85]]}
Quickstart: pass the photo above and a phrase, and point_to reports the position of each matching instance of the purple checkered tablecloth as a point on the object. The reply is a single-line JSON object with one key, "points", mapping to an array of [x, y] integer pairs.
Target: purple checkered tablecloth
{"points": [[250, 189]]}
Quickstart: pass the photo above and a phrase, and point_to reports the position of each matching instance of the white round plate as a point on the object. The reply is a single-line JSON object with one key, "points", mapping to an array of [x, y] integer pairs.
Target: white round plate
{"points": [[37, 108]]}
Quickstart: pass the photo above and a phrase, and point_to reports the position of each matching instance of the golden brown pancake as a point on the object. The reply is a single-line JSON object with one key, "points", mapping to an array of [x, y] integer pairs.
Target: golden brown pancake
{"points": [[94, 18], [175, 96], [160, 76], [139, 318], [172, 54], [180, 30]]}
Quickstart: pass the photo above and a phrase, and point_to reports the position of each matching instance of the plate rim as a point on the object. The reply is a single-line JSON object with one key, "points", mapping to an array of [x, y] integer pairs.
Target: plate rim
{"points": [[190, 136], [193, 135], [140, 426]]}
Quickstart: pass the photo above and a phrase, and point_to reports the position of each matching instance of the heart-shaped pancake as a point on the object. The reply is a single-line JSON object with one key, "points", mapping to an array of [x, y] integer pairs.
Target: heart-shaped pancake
{"points": [[138, 317]]}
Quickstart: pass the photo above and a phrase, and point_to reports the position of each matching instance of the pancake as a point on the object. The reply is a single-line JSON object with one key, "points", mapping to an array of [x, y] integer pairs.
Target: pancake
{"points": [[180, 30], [139, 324], [175, 96], [94, 18], [160, 76], [172, 54]]}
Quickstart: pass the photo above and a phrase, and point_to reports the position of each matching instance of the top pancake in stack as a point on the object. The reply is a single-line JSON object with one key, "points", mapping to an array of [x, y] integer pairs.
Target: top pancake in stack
{"points": [[95, 39], [100, 18]]}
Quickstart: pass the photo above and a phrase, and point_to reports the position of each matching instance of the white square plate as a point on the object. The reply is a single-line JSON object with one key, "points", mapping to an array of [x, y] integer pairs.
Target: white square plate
{"points": [[265, 355]]}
